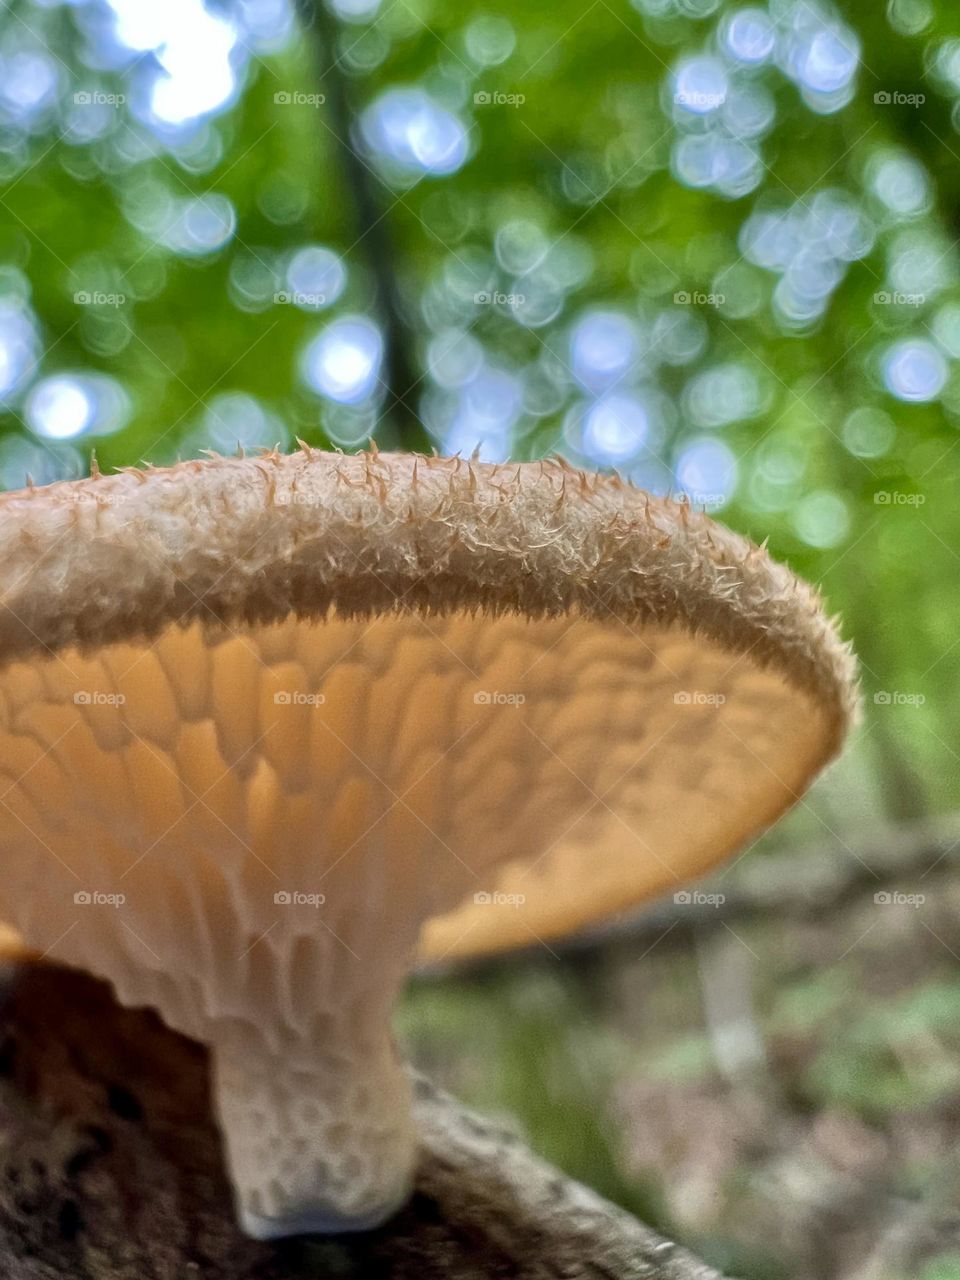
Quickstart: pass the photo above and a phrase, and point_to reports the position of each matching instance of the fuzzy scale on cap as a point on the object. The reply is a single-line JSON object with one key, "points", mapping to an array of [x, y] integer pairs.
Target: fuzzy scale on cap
{"points": [[255, 539]]}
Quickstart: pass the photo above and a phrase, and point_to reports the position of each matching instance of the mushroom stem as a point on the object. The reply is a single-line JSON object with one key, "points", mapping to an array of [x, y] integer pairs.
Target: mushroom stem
{"points": [[314, 1142]]}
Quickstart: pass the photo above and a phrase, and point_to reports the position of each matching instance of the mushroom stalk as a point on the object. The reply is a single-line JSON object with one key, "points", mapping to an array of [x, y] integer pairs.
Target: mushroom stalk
{"points": [[319, 1136]]}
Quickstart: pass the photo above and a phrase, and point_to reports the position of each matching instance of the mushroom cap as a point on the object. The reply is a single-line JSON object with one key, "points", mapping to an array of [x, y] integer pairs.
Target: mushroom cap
{"points": [[586, 694]]}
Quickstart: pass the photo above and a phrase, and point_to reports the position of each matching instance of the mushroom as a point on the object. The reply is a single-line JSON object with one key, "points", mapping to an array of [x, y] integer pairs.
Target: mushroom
{"points": [[272, 728]]}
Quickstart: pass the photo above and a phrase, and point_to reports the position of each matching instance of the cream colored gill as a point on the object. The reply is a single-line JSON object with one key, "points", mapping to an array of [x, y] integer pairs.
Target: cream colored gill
{"points": [[258, 830]]}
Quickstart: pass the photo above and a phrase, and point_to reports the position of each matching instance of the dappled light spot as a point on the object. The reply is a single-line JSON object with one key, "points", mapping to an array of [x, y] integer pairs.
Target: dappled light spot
{"points": [[343, 361], [748, 35], [614, 429], [316, 277], [706, 471], [723, 394], [412, 133], [604, 347], [914, 370], [19, 346], [822, 519], [67, 405]]}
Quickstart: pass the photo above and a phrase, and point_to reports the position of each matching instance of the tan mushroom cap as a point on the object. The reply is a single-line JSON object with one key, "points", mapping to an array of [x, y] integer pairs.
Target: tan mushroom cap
{"points": [[468, 704], [602, 607]]}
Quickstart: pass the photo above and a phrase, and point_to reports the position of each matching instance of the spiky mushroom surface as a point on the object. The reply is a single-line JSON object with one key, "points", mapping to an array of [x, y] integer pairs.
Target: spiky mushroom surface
{"points": [[271, 727]]}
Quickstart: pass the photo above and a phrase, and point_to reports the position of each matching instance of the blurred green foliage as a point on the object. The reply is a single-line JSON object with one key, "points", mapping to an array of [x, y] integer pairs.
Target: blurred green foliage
{"points": [[584, 196], [591, 161]]}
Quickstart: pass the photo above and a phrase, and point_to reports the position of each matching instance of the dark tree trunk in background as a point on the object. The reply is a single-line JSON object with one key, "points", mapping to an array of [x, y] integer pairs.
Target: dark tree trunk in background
{"points": [[110, 1169], [374, 237]]}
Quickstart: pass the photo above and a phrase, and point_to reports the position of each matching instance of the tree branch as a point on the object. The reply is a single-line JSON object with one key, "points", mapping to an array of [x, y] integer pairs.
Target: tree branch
{"points": [[374, 238], [111, 1170]]}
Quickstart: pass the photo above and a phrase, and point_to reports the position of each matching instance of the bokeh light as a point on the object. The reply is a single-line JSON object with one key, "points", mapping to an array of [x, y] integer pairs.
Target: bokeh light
{"points": [[822, 519], [412, 133], [192, 69], [748, 35], [914, 370], [19, 344], [604, 348], [706, 471], [316, 277], [65, 405], [343, 361], [614, 429]]}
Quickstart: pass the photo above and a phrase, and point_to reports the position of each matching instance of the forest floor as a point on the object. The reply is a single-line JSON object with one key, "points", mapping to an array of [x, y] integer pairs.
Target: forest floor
{"points": [[773, 1080]]}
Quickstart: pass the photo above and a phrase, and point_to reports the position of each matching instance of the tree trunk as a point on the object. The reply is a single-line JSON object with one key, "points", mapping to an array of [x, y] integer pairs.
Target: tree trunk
{"points": [[110, 1169]]}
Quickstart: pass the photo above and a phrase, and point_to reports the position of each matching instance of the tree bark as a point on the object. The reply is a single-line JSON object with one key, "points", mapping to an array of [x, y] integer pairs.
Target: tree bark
{"points": [[111, 1169]]}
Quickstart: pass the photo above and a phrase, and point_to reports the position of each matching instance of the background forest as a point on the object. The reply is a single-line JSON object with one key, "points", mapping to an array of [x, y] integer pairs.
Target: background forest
{"points": [[712, 245]]}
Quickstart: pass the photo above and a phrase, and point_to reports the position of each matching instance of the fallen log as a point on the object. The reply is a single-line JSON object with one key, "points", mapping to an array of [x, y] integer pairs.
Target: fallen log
{"points": [[111, 1169]]}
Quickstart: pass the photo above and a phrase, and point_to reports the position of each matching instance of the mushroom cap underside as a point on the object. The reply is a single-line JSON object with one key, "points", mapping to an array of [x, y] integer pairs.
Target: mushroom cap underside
{"points": [[277, 669]]}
